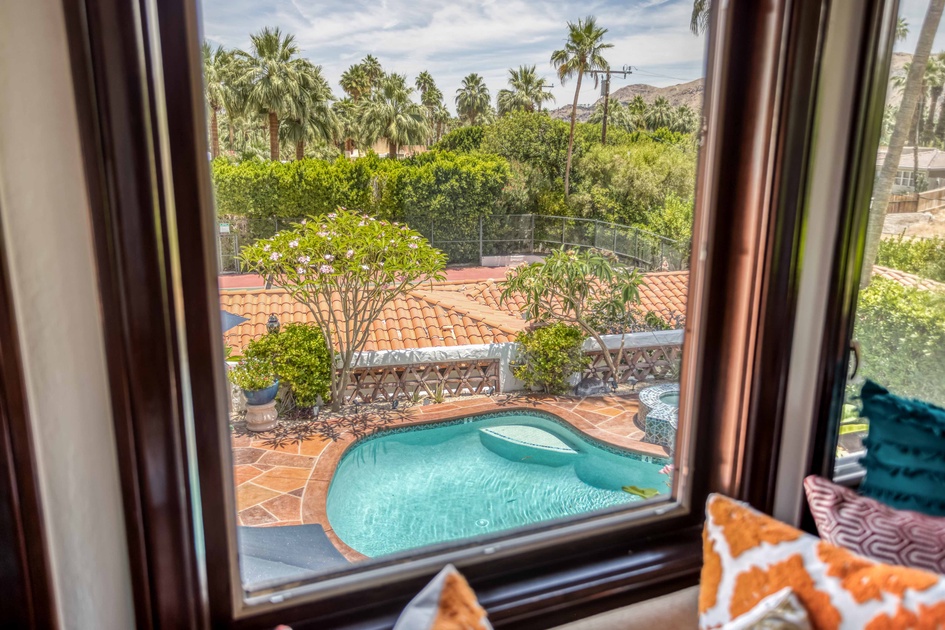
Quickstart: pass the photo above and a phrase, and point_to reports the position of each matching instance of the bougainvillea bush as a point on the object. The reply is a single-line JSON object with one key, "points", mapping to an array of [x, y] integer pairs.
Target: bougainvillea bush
{"points": [[352, 261]]}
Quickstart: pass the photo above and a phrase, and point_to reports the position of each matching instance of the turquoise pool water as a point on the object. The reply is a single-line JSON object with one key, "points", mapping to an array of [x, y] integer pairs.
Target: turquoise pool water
{"points": [[412, 487]]}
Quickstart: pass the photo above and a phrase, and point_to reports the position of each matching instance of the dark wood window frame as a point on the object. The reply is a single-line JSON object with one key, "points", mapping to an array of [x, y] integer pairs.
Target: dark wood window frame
{"points": [[136, 71]]}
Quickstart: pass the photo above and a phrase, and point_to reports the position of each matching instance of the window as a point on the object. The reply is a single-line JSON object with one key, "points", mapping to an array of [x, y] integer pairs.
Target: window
{"points": [[900, 306], [904, 178], [162, 245]]}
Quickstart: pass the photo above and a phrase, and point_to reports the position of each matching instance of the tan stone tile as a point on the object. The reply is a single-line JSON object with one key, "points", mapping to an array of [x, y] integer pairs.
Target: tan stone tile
{"points": [[313, 446], [241, 440], [285, 459], [284, 447], [245, 473], [285, 507], [610, 411], [623, 425], [249, 494], [246, 455], [256, 516], [283, 478]]}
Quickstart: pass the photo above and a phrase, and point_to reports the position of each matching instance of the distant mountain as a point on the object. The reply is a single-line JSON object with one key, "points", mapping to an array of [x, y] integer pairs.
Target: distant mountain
{"points": [[683, 94], [691, 93]]}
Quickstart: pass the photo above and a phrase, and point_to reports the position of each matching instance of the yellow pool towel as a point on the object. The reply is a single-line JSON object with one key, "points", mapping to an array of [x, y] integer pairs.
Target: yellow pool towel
{"points": [[646, 493]]}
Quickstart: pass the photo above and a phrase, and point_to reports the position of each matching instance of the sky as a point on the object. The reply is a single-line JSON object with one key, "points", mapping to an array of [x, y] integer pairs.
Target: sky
{"points": [[914, 11], [452, 39]]}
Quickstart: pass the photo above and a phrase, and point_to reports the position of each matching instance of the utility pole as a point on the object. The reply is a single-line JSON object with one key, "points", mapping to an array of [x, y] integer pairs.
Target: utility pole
{"points": [[605, 92]]}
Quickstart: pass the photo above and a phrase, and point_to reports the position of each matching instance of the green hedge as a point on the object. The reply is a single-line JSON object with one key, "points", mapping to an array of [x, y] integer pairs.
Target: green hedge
{"points": [[922, 256], [446, 189], [902, 334]]}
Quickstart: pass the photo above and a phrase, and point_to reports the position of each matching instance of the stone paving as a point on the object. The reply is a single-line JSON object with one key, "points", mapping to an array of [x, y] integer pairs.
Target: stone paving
{"points": [[287, 483]]}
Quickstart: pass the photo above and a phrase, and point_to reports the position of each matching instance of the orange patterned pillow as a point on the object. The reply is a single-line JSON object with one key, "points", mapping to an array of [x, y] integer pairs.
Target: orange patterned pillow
{"points": [[749, 556]]}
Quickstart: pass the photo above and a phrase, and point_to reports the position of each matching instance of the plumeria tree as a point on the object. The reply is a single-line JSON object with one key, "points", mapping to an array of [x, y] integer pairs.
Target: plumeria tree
{"points": [[346, 267], [576, 288]]}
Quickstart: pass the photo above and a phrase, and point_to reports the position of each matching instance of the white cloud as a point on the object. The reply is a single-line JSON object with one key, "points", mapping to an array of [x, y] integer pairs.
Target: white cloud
{"points": [[453, 39]]}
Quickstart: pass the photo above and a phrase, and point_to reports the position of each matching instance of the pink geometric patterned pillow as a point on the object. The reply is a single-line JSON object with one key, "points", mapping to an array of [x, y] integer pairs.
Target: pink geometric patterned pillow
{"points": [[875, 530]]}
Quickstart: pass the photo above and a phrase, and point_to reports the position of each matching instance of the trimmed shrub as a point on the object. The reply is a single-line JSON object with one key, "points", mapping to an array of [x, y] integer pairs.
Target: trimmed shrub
{"points": [[549, 355], [461, 140], [300, 358], [922, 256], [902, 333]]}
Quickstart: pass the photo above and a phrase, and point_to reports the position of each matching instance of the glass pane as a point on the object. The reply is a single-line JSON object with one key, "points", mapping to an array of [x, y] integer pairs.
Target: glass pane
{"points": [[900, 318], [389, 179]]}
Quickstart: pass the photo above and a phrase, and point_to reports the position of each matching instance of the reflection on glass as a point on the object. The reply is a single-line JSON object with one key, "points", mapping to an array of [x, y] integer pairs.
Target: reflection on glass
{"points": [[432, 219], [900, 319]]}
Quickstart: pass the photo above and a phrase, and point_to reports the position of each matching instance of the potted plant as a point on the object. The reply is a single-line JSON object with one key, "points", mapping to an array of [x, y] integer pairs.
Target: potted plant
{"points": [[256, 377]]}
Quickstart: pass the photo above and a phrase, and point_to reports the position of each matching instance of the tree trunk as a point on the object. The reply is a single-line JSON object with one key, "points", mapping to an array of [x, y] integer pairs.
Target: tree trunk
{"points": [[939, 134], [232, 137], [934, 94], [567, 168], [273, 137], [214, 134], [907, 111], [391, 149], [300, 150]]}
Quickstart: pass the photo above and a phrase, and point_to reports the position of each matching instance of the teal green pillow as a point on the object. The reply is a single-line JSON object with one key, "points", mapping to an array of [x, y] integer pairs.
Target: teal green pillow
{"points": [[905, 451]]}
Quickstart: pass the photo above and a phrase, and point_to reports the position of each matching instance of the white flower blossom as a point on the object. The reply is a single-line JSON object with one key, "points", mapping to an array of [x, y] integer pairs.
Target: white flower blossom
{"points": [[414, 238], [275, 256], [329, 257], [293, 244], [323, 234], [304, 221], [300, 270], [413, 246], [267, 248], [326, 269], [304, 259], [349, 253], [332, 215], [365, 267], [361, 224]]}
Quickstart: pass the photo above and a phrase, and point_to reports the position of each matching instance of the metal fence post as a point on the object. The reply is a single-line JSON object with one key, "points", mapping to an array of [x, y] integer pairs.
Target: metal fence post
{"points": [[596, 232], [532, 249], [562, 232], [480, 240], [236, 251], [614, 227]]}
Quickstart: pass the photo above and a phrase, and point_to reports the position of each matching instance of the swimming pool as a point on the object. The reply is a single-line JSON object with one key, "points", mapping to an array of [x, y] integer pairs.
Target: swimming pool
{"points": [[414, 486]]}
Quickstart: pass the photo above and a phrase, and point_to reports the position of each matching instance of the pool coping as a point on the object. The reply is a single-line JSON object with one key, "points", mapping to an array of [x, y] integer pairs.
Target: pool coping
{"points": [[314, 507]]}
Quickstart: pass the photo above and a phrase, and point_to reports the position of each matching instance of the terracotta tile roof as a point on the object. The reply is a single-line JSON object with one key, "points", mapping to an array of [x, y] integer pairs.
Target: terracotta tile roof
{"points": [[458, 313], [660, 292], [907, 279]]}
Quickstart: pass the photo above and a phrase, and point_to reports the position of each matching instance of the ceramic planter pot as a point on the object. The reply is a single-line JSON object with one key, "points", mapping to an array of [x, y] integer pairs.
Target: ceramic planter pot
{"points": [[262, 396]]}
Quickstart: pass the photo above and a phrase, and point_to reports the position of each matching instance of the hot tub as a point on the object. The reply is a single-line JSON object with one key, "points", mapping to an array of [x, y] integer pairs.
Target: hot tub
{"points": [[659, 414]]}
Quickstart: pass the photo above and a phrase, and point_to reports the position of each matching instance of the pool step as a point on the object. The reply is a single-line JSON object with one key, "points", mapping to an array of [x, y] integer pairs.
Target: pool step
{"points": [[522, 443]]}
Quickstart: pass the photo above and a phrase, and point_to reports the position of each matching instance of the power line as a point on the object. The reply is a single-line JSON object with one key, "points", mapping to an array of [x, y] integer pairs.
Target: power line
{"points": [[665, 76]]}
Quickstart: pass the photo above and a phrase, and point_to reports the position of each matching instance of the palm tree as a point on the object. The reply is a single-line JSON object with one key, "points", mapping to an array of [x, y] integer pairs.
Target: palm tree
{"points": [[902, 29], [355, 82], [215, 64], [582, 52], [389, 113], [273, 76], [440, 118], [424, 83], [659, 114], [907, 112], [472, 100], [935, 81], [313, 118], [637, 109], [372, 68], [699, 21], [684, 119], [527, 93]]}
